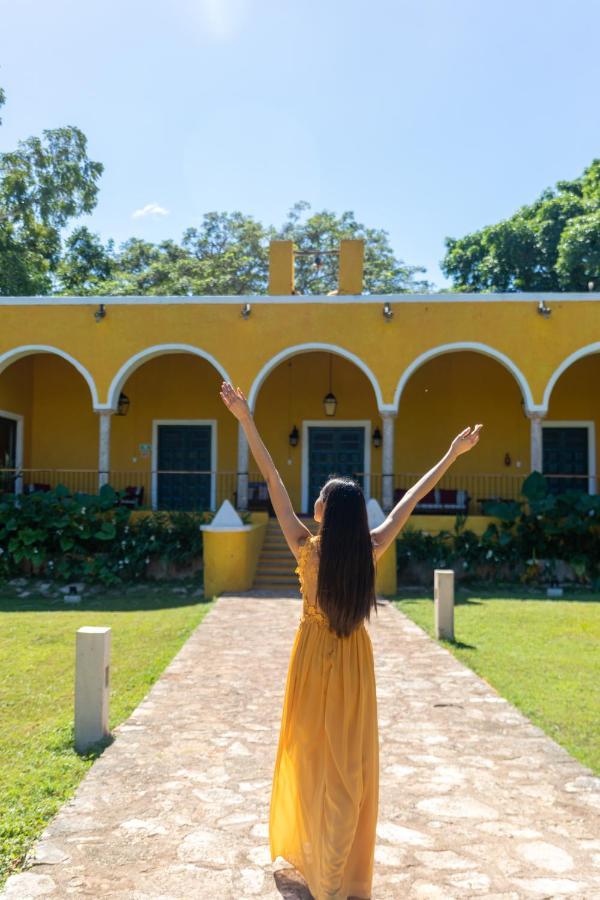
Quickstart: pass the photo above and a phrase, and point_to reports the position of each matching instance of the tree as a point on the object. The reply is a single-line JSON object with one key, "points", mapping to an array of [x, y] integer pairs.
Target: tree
{"points": [[44, 184], [551, 245], [383, 273], [86, 264], [229, 254]]}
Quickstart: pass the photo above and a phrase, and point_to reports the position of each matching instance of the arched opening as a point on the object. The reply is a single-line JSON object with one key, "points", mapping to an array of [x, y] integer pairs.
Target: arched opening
{"points": [[176, 447], [569, 443], [441, 397], [48, 428], [307, 444]]}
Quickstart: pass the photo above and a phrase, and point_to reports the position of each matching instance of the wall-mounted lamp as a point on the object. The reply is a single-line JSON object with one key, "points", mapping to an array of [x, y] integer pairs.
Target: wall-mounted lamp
{"points": [[293, 437], [507, 459], [100, 313], [246, 310], [123, 404], [377, 438], [543, 310], [388, 312]]}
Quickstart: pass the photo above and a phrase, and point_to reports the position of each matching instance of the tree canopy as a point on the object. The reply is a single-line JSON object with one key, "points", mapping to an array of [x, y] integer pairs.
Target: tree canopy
{"points": [[48, 182], [228, 254], [551, 245], [44, 184]]}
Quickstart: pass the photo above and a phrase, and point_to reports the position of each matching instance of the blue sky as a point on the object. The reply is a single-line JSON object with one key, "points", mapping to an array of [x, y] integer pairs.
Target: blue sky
{"points": [[426, 118]]}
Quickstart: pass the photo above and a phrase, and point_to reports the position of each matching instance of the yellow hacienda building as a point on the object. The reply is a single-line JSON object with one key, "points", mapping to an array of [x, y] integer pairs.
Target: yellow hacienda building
{"points": [[125, 390]]}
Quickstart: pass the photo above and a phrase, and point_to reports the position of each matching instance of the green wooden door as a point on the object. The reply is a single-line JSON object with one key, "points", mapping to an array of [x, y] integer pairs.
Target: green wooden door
{"points": [[185, 449], [8, 453], [565, 452], [333, 451]]}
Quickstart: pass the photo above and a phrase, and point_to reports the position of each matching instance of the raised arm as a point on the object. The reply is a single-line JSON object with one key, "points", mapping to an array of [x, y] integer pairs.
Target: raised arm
{"points": [[385, 533], [294, 530]]}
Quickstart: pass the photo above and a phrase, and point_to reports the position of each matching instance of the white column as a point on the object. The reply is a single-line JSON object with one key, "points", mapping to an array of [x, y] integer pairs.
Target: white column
{"points": [[105, 417], [536, 420], [242, 469], [387, 460]]}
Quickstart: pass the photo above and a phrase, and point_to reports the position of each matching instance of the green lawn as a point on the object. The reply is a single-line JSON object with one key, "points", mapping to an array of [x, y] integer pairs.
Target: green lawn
{"points": [[39, 769], [542, 655]]}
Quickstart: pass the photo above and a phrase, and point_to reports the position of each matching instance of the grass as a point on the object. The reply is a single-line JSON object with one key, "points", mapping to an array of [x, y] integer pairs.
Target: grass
{"points": [[39, 769], [542, 655]]}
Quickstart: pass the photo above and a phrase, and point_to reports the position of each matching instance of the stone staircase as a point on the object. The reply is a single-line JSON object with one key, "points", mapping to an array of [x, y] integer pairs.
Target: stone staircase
{"points": [[276, 563]]}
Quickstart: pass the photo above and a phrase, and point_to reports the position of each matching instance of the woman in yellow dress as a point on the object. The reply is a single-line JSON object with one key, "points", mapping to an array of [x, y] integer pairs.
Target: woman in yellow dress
{"points": [[325, 792]]}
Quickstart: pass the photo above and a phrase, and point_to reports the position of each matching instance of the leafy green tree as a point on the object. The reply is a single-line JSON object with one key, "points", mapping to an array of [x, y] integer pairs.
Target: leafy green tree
{"points": [[551, 245], [383, 273], [44, 184], [86, 264], [229, 254]]}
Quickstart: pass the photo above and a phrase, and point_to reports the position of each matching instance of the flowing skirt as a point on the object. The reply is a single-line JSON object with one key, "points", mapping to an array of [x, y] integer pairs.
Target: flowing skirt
{"points": [[325, 793]]}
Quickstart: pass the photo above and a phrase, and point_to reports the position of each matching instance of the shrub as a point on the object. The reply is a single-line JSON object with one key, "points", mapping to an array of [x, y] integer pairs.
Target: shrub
{"points": [[90, 537], [532, 540]]}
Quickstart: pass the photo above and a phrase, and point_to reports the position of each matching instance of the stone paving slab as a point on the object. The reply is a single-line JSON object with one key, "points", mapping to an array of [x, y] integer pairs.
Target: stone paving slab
{"points": [[475, 801]]}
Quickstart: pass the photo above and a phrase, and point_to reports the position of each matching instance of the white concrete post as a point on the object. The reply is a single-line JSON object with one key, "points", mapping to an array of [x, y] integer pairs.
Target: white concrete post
{"points": [[105, 417], [443, 593], [536, 441], [242, 469], [92, 675], [387, 461]]}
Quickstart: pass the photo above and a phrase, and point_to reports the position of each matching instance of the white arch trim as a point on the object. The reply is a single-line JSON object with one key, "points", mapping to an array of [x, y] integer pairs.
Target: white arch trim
{"points": [[578, 354], [11, 356], [134, 362], [477, 347], [306, 348]]}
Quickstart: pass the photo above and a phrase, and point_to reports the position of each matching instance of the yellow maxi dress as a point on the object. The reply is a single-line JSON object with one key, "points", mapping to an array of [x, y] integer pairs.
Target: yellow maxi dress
{"points": [[325, 793]]}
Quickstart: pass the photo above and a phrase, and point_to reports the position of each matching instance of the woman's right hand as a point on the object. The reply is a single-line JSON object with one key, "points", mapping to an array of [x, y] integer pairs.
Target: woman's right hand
{"points": [[235, 401], [466, 440]]}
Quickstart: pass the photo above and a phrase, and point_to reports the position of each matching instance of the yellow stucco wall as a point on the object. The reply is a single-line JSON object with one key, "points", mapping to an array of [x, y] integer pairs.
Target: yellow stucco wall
{"points": [[16, 394], [242, 346], [446, 393], [280, 406]]}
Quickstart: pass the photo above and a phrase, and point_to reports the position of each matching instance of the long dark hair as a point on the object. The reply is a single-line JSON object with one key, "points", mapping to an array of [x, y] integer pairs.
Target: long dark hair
{"points": [[346, 580]]}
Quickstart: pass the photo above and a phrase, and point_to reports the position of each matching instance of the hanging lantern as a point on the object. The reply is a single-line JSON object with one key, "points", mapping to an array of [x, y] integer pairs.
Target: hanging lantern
{"points": [[330, 403], [377, 438], [123, 404], [330, 400], [293, 437]]}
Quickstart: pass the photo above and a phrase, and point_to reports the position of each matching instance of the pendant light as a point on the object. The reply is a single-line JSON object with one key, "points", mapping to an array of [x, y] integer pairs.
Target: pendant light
{"points": [[329, 400]]}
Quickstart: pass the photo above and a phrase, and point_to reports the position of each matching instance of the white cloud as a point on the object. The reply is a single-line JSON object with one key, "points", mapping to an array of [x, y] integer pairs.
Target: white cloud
{"points": [[150, 209]]}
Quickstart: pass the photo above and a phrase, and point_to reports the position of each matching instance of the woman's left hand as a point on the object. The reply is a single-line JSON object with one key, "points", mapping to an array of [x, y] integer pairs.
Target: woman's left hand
{"points": [[235, 401]]}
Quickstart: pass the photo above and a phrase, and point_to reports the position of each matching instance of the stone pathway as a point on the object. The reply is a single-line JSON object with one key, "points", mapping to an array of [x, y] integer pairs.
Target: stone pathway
{"points": [[475, 801]]}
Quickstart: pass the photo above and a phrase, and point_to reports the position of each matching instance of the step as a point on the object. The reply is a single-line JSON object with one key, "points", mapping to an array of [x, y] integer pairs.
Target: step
{"points": [[263, 581], [282, 556]]}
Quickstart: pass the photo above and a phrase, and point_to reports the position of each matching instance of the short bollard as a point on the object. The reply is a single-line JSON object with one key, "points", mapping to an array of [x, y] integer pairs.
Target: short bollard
{"points": [[92, 674], [443, 594]]}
